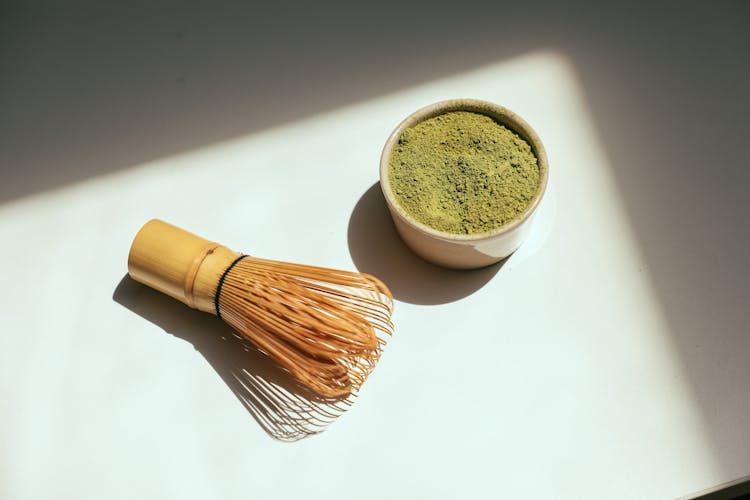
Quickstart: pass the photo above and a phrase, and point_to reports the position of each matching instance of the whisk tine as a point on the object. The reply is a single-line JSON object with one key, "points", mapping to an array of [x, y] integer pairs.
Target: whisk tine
{"points": [[325, 327]]}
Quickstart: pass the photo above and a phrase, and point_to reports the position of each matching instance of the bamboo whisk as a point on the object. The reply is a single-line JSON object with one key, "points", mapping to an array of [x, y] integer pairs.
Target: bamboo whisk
{"points": [[326, 327]]}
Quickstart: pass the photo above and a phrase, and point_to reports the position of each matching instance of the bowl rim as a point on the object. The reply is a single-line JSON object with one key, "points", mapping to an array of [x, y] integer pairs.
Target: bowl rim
{"points": [[500, 114]]}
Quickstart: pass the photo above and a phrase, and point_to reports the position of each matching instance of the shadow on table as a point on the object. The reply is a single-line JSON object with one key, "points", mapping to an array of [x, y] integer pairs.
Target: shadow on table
{"points": [[285, 409], [377, 249]]}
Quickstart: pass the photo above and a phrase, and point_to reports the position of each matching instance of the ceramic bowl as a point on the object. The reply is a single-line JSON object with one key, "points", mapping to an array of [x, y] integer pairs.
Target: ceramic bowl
{"points": [[460, 251]]}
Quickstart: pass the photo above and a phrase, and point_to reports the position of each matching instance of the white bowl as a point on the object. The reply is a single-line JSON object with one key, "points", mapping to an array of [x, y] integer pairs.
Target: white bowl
{"points": [[462, 251]]}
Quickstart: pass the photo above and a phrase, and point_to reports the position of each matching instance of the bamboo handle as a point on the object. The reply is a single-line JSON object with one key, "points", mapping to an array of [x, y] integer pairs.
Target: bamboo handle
{"points": [[179, 263]]}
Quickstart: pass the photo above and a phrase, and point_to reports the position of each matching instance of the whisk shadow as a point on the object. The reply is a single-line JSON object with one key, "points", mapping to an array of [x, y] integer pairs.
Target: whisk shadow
{"points": [[377, 249], [286, 410]]}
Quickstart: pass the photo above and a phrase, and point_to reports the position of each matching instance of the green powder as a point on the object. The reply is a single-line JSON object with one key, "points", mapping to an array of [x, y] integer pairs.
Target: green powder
{"points": [[463, 173]]}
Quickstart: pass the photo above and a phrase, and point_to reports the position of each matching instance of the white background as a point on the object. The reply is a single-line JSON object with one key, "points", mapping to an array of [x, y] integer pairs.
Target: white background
{"points": [[577, 369]]}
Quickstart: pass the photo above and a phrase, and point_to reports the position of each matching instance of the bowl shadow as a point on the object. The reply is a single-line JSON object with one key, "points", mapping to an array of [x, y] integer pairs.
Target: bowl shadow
{"points": [[377, 249], [285, 409]]}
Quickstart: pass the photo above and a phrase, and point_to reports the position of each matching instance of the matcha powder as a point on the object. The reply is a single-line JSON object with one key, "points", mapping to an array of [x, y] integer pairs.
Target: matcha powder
{"points": [[463, 173]]}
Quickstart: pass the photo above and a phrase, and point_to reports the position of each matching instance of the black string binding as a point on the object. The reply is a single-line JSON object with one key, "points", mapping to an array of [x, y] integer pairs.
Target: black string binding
{"points": [[221, 283]]}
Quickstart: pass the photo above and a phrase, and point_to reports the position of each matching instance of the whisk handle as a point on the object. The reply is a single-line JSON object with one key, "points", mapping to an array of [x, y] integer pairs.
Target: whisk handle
{"points": [[179, 263]]}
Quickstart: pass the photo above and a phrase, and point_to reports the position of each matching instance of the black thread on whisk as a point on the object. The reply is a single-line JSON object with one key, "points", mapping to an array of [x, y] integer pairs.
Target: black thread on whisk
{"points": [[221, 283]]}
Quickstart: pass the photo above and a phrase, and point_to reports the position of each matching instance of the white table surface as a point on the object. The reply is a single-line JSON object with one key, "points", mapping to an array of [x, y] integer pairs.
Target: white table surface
{"points": [[554, 375]]}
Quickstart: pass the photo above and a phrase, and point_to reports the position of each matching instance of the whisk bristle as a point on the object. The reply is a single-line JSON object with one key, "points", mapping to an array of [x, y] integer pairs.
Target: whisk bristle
{"points": [[326, 327]]}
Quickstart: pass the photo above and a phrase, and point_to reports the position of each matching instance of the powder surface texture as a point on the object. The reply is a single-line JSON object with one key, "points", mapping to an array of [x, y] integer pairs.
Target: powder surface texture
{"points": [[463, 173]]}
